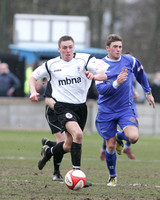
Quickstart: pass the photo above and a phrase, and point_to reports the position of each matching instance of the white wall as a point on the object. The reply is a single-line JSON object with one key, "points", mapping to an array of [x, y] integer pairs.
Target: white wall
{"points": [[45, 30], [22, 114]]}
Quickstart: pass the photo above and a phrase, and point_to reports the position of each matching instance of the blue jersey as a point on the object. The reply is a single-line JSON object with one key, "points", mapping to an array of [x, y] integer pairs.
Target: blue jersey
{"points": [[114, 99]]}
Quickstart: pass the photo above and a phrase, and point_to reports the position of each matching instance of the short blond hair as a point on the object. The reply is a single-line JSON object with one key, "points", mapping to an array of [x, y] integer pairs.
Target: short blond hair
{"points": [[65, 38]]}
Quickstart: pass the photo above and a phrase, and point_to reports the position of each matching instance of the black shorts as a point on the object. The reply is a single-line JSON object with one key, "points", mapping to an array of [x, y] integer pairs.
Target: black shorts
{"points": [[52, 120], [71, 112]]}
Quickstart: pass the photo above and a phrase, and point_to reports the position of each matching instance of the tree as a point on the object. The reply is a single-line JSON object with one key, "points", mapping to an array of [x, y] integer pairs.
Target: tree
{"points": [[137, 22], [154, 43]]}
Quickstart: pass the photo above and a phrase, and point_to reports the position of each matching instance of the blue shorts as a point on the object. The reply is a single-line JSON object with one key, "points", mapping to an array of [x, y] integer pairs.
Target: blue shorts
{"points": [[106, 123], [135, 110]]}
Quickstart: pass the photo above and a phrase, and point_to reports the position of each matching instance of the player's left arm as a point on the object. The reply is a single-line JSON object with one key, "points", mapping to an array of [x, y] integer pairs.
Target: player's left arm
{"points": [[135, 93], [95, 69], [142, 79], [150, 99], [50, 102], [100, 76]]}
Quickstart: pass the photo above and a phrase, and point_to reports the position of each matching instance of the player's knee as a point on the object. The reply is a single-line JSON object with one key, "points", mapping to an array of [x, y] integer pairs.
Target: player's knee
{"points": [[78, 137], [67, 147], [111, 147], [134, 139]]}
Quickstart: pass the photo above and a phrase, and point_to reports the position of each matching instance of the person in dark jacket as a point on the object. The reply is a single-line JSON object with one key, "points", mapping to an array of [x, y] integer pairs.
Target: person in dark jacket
{"points": [[8, 81]]}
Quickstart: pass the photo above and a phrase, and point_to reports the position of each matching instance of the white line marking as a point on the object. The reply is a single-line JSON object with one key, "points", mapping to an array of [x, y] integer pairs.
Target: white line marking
{"points": [[88, 159]]}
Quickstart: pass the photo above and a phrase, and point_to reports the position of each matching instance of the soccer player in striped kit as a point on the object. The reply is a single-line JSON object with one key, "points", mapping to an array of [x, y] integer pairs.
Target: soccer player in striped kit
{"points": [[70, 77]]}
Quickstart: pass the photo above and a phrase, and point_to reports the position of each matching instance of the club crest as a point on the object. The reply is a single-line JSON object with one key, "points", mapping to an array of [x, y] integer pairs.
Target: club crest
{"points": [[68, 115], [124, 69], [132, 119]]}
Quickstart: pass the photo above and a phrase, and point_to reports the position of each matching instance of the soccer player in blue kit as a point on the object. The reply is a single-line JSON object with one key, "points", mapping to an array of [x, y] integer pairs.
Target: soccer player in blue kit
{"points": [[127, 146], [115, 101]]}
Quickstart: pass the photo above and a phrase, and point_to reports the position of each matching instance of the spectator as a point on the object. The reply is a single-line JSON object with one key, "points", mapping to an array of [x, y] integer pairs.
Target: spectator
{"points": [[8, 81], [156, 87]]}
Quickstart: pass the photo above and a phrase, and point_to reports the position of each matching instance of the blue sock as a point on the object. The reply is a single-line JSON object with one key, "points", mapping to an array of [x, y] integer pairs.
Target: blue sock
{"points": [[128, 144], [111, 162], [122, 136]]}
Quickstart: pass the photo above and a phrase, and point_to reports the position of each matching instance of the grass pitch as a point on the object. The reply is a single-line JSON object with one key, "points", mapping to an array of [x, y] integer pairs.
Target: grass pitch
{"points": [[20, 178]]}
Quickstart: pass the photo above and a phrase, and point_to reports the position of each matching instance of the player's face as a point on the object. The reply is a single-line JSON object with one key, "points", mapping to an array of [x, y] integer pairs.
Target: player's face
{"points": [[66, 50], [114, 50]]}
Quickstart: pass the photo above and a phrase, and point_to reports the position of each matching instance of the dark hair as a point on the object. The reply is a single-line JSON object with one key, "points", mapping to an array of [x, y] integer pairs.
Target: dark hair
{"points": [[65, 38], [113, 38]]}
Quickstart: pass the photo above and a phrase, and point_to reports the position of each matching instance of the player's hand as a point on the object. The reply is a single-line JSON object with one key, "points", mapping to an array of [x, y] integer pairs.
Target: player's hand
{"points": [[89, 75], [34, 96], [136, 94], [50, 102], [122, 77], [150, 100]]}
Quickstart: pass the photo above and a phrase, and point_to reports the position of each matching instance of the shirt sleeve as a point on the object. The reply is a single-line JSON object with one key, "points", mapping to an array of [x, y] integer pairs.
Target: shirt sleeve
{"points": [[141, 76], [96, 65], [40, 72], [105, 88]]}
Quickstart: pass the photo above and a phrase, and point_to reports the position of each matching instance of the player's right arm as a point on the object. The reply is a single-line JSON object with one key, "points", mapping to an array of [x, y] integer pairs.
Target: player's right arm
{"points": [[34, 95], [109, 88], [38, 73]]}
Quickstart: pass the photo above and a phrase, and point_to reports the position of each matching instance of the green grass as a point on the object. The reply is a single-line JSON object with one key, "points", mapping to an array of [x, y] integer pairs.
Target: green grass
{"points": [[20, 178]]}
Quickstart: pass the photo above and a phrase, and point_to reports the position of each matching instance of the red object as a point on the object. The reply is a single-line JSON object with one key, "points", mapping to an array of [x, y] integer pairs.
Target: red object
{"points": [[75, 179], [102, 155], [129, 153]]}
